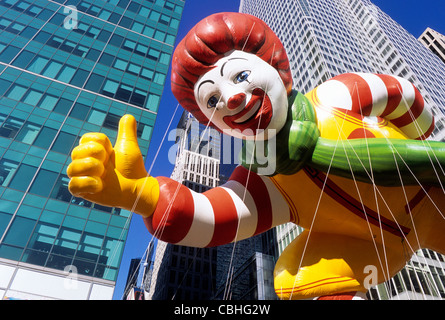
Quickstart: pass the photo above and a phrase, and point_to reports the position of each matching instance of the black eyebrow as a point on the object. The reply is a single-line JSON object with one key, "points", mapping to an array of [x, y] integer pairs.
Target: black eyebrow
{"points": [[222, 68], [211, 81]]}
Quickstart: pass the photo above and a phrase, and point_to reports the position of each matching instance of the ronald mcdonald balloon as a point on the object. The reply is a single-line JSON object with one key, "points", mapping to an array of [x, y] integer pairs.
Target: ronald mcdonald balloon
{"points": [[351, 163]]}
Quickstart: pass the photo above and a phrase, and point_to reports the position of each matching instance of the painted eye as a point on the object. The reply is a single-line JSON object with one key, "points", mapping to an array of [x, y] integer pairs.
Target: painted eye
{"points": [[242, 76], [213, 101]]}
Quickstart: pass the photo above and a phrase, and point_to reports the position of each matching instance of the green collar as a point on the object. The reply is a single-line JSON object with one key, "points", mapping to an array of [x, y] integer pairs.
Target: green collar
{"points": [[292, 147]]}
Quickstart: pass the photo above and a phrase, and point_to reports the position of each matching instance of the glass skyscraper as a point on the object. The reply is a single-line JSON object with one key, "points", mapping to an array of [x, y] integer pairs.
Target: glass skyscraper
{"points": [[324, 38], [69, 67]]}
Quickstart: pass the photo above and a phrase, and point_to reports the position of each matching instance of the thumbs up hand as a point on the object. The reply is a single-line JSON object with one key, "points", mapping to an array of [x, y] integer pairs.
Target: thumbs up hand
{"points": [[113, 176]]}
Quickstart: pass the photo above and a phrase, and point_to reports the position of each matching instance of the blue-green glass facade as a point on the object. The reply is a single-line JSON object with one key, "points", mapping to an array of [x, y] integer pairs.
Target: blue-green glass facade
{"points": [[57, 83]]}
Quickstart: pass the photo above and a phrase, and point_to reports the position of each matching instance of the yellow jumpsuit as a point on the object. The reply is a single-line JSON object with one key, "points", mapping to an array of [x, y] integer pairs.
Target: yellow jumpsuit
{"points": [[356, 234]]}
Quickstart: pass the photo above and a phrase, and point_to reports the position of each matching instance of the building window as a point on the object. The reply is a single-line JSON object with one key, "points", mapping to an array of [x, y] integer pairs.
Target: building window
{"points": [[52, 69], [111, 121], [32, 96], [96, 117], [64, 143], [60, 191], [79, 78], [110, 88], [45, 138], [94, 82], [44, 183], [62, 106], [66, 74], [80, 111], [23, 177], [20, 226], [7, 170], [16, 92], [28, 133], [11, 127], [38, 64]]}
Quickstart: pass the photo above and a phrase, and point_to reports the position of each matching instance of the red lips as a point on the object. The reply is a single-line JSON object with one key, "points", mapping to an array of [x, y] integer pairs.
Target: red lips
{"points": [[260, 118]]}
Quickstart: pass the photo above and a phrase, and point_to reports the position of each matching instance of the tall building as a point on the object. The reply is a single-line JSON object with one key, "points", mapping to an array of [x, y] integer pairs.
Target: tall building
{"points": [[68, 67], [139, 275], [132, 280], [434, 41], [325, 38], [180, 272], [197, 156], [245, 269]]}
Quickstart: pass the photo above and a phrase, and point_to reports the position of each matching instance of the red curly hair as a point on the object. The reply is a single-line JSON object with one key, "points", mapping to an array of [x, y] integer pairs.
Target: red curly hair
{"points": [[210, 40]]}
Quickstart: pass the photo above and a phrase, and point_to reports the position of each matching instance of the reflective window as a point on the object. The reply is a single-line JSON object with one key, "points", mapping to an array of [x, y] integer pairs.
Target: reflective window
{"points": [[16, 92], [4, 221], [52, 69], [7, 170], [48, 102], [159, 78], [43, 183], [19, 231], [32, 96], [120, 64], [63, 106], [28, 133], [153, 101], [66, 74], [110, 88], [94, 82], [60, 191], [79, 77], [11, 127], [111, 121], [38, 64], [45, 137], [80, 111], [96, 117], [23, 59], [64, 143]]}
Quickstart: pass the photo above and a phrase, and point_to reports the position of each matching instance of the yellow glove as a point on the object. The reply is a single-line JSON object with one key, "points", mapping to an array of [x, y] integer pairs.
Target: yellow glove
{"points": [[114, 177]]}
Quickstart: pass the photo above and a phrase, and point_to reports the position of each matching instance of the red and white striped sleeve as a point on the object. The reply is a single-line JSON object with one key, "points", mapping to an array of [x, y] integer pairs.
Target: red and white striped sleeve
{"points": [[385, 96], [246, 205]]}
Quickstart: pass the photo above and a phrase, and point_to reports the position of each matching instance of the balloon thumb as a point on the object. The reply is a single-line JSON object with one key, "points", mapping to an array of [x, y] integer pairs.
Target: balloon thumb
{"points": [[129, 160]]}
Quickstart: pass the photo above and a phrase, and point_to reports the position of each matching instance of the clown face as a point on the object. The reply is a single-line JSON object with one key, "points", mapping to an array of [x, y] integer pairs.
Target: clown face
{"points": [[243, 96]]}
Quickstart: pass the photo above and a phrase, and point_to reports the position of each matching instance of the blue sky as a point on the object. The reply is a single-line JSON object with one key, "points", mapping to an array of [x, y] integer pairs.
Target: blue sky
{"points": [[414, 15]]}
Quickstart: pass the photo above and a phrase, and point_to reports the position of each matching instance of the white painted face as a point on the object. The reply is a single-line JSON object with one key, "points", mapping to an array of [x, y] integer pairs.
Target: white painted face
{"points": [[243, 96]]}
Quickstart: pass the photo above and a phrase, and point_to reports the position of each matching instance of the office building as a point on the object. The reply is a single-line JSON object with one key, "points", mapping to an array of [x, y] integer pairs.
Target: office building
{"points": [[130, 292], [245, 269], [139, 275], [180, 272], [198, 154], [325, 38], [69, 67], [434, 41]]}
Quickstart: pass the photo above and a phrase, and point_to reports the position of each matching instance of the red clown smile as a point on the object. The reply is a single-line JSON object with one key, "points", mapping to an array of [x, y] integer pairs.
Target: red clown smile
{"points": [[258, 112]]}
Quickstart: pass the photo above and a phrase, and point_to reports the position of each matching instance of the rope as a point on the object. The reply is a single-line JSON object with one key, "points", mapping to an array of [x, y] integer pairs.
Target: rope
{"points": [[231, 269]]}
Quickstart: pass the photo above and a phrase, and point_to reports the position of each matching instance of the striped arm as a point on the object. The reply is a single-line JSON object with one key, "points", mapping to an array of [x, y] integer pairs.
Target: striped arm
{"points": [[386, 96], [220, 215]]}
